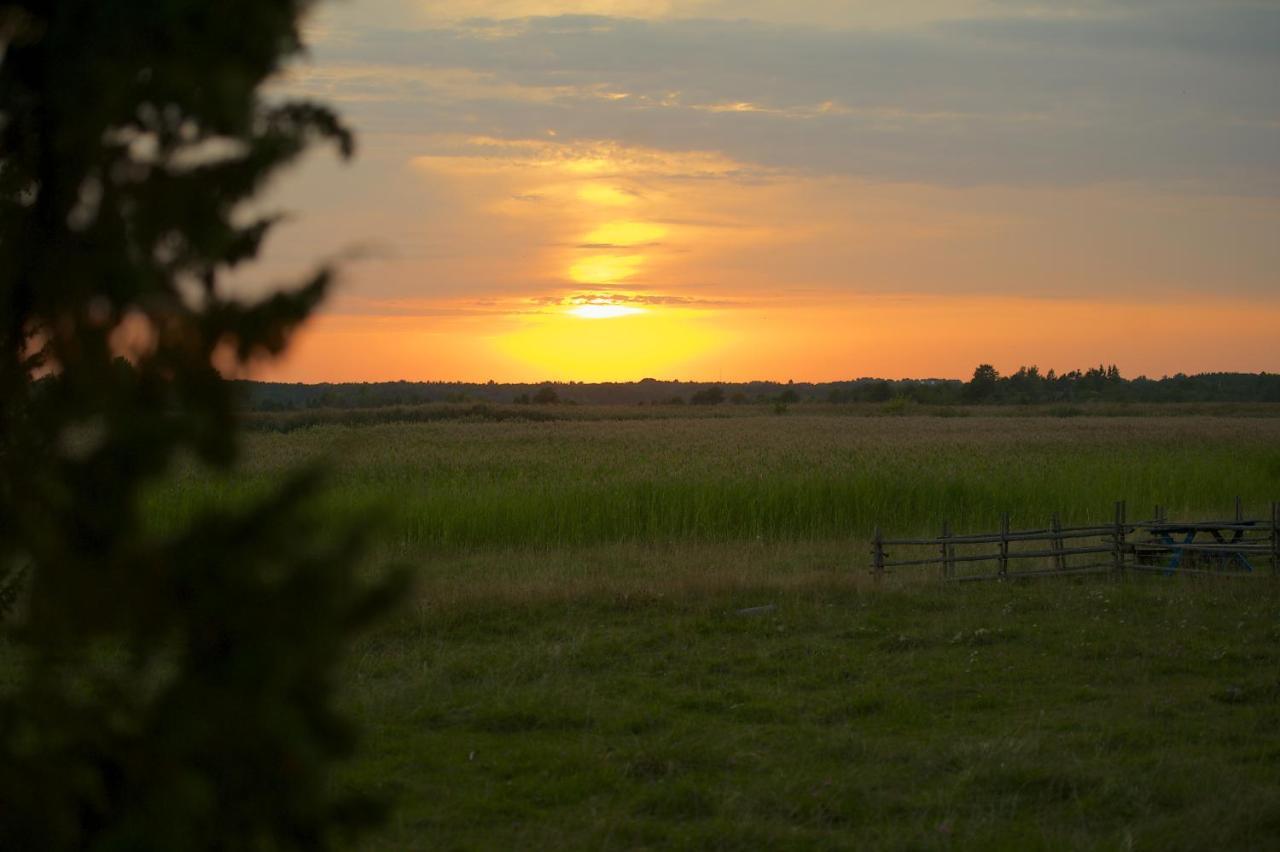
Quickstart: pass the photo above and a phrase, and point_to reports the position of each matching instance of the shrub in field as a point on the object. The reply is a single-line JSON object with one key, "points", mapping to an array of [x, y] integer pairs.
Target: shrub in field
{"points": [[161, 690], [898, 405], [787, 397], [708, 396]]}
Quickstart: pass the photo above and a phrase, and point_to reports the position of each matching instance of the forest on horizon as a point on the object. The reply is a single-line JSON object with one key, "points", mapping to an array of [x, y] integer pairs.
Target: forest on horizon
{"points": [[987, 386]]}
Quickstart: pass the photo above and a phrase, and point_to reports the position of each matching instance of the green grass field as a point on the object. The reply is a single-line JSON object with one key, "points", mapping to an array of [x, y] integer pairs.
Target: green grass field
{"points": [[1139, 714], [574, 669], [461, 485]]}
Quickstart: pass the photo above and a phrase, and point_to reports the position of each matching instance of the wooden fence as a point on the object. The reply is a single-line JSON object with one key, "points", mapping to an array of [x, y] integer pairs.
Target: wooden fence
{"points": [[1237, 547]]}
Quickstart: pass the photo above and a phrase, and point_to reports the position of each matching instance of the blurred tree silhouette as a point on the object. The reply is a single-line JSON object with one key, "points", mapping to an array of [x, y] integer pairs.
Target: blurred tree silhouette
{"points": [[159, 691]]}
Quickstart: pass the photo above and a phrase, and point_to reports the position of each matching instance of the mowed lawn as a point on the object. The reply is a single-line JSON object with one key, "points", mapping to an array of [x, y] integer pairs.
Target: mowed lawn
{"points": [[1137, 713]]}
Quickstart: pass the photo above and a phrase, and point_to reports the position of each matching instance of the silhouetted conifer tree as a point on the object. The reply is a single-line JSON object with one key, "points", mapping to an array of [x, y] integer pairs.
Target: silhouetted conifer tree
{"points": [[161, 689]]}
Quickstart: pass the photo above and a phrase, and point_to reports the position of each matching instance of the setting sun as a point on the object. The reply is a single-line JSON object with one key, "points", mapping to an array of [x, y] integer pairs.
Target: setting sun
{"points": [[632, 342], [604, 311]]}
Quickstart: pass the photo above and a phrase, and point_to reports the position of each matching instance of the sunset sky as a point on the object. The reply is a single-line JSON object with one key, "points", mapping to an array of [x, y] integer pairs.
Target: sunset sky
{"points": [[809, 190]]}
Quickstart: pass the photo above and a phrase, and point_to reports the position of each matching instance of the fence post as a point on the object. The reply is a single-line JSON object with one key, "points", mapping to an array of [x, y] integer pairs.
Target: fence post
{"points": [[1162, 518], [1239, 510], [1059, 558], [1275, 539], [1118, 537], [877, 556], [946, 551], [1004, 545]]}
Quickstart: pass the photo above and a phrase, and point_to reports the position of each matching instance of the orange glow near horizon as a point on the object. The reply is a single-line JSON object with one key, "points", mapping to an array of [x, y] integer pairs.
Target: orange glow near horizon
{"points": [[552, 198], [624, 342], [918, 338], [606, 262]]}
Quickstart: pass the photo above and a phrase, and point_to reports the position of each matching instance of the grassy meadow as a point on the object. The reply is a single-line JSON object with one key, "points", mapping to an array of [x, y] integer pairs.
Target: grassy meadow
{"points": [[459, 484], [660, 632], [1142, 714]]}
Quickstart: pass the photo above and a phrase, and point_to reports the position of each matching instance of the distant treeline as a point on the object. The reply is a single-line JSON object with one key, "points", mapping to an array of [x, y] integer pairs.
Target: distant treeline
{"points": [[1027, 386]]}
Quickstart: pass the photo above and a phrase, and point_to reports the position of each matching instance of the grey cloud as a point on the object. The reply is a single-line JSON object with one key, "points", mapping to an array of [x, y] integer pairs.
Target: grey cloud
{"points": [[1235, 31], [1137, 91]]}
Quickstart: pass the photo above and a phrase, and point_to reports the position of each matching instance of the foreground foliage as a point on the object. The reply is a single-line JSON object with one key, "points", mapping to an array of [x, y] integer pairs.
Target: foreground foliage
{"points": [[160, 691]]}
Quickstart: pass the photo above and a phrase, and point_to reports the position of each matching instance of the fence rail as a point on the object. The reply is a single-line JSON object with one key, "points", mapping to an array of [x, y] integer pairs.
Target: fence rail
{"points": [[1228, 548]]}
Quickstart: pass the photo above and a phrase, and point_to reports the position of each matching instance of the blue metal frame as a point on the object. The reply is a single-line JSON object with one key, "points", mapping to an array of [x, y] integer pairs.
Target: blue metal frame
{"points": [[1175, 560]]}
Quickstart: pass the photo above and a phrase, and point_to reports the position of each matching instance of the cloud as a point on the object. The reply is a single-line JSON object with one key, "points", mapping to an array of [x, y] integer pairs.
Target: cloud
{"points": [[1240, 31], [645, 299], [1135, 91], [580, 159], [950, 147]]}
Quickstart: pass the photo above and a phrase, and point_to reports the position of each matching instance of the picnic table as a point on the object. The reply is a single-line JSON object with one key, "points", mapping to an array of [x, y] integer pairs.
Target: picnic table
{"points": [[1221, 542]]}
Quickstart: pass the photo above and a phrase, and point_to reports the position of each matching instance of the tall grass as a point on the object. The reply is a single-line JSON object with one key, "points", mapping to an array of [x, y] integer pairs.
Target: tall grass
{"points": [[473, 484]]}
